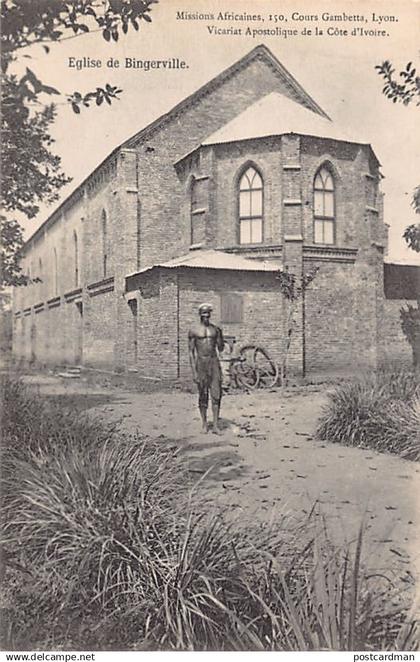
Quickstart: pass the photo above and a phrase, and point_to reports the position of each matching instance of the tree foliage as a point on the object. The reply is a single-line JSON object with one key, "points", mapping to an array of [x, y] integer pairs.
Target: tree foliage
{"points": [[410, 324], [31, 172], [404, 90], [407, 90]]}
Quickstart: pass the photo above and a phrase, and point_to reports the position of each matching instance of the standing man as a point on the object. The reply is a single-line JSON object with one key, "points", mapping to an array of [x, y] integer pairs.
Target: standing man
{"points": [[204, 340]]}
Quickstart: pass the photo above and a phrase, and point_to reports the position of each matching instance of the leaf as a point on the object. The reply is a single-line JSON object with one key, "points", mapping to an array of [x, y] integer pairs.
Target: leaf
{"points": [[49, 90], [75, 108], [107, 35], [147, 18]]}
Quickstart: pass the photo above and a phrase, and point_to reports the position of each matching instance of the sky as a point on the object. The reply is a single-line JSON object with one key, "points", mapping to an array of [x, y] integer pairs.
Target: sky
{"points": [[337, 70]]}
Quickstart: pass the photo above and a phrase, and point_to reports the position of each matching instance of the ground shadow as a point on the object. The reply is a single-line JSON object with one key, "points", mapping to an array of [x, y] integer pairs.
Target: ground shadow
{"points": [[78, 402]]}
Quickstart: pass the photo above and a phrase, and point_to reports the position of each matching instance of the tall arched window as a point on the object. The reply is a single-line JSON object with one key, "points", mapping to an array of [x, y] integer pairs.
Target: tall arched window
{"points": [[76, 259], [324, 207], [250, 207], [55, 272], [104, 244], [199, 203], [40, 276]]}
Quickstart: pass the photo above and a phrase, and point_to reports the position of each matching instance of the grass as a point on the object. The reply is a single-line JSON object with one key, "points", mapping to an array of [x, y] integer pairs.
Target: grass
{"points": [[107, 546], [379, 411]]}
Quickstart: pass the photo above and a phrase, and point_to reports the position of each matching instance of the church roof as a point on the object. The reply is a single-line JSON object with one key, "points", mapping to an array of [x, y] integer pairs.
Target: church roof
{"points": [[274, 115], [212, 259]]}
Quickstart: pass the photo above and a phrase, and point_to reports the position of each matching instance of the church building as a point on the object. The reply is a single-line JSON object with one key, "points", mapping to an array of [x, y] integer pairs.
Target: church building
{"points": [[245, 177]]}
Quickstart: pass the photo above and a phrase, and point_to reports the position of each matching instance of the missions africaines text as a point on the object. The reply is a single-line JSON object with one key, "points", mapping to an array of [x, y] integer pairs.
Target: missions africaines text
{"points": [[295, 16]]}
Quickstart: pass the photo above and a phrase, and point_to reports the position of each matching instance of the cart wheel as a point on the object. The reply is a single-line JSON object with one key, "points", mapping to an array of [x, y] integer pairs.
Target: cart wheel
{"points": [[267, 370], [246, 353], [244, 374]]}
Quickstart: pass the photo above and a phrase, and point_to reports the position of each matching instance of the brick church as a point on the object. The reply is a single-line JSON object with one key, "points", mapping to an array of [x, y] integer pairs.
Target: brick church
{"points": [[244, 177]]}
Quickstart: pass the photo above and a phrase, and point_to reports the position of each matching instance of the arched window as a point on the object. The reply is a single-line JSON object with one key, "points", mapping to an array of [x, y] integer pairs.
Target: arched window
{"points": [[198, 199], [55, 272], [104, 244], [324, 207], [250, 207], [40, 275], [76, 259]]}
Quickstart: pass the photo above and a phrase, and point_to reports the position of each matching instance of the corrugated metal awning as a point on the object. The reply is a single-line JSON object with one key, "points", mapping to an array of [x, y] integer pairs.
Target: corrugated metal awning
{"points": [[211, 259]]}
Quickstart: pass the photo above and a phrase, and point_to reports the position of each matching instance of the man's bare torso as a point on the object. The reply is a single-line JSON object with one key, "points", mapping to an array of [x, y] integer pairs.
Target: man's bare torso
{"points": [[205, 338]]}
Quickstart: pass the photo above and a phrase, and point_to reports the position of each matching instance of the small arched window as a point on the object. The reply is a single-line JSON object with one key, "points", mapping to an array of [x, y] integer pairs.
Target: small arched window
{"points": [[104, 244], [324, 207], [55, 272], [198, 198], [251, 207], [40, 275], [76, 259]]}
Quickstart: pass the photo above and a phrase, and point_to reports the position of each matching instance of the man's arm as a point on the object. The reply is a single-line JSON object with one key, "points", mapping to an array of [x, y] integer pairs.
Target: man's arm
{"points": [[192, 354], [220, 342]]}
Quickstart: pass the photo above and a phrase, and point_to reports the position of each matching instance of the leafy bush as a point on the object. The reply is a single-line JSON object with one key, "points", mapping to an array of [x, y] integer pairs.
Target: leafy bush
{"points": [[380, 411], [410, 325], [106, 548]]}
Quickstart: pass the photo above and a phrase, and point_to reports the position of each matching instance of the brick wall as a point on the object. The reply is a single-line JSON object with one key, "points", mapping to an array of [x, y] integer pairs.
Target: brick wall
{"points": [[330, 311], [262, 308], [99, 330], [157, 325]]}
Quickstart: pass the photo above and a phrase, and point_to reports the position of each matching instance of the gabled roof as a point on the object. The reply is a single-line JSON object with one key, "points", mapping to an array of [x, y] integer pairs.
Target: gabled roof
{"points": [[259, 52], [277, 115], [274, 115]]}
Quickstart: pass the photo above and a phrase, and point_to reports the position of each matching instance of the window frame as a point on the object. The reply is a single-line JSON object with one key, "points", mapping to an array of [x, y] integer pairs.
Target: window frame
{"points": [[55, 271], [76, 259], [323, 218], [240, 219], [195, 210], [225, 305], [104, 230]]}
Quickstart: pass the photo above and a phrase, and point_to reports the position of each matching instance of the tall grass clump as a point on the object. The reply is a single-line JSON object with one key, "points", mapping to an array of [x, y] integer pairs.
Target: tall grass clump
{"points": [[106, 546], [380, 411]]}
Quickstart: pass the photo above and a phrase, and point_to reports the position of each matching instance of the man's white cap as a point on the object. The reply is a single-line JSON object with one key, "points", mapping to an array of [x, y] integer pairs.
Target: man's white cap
{"points": [[205, 308]]}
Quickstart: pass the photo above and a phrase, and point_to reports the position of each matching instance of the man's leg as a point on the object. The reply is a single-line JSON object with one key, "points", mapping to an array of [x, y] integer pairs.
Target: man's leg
{"points": [[203, 402], [215, 405], [216, 395]]}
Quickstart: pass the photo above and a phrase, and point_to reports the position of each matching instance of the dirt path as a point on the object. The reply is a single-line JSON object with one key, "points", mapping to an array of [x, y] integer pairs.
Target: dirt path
{"points": [[266, 463]]}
